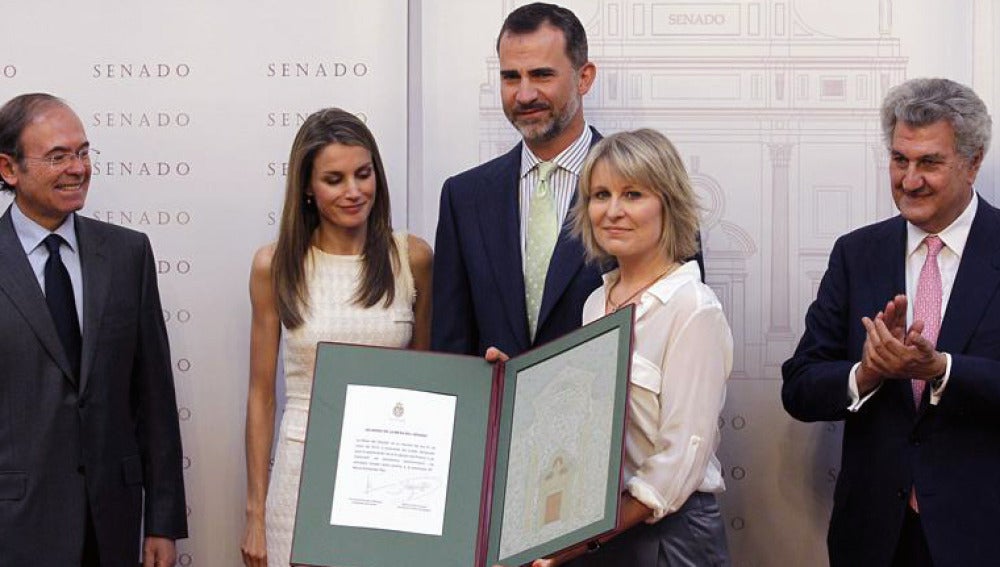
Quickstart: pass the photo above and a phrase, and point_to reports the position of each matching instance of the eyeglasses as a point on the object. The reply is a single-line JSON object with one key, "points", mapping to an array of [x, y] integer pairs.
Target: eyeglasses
{"points": [[62, 160]]}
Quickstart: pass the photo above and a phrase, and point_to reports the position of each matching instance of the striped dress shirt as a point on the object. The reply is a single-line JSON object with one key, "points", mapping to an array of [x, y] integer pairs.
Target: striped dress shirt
{"points": [[562, 182]]}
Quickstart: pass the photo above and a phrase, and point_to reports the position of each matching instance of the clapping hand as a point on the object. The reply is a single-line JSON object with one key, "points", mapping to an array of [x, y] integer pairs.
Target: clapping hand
{"points": [[893, 352]]}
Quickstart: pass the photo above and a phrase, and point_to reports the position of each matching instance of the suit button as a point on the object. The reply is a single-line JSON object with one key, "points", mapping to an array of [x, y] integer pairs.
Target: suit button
{"points": [[82, 405], [901, 493], [81, 469]]}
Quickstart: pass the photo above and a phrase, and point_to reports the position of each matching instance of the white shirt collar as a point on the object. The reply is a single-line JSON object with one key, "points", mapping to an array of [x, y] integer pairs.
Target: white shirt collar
{"points": [[571, 159], [31, 234], [666, 287], [954, 235]]}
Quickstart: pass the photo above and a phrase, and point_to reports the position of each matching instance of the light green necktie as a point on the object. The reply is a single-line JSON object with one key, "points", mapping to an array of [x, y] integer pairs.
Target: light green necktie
{"points": [[540, 239]]}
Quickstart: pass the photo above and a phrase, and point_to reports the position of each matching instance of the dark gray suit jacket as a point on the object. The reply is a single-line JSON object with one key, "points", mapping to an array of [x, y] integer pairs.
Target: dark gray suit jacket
{"points": [[111, 437]]}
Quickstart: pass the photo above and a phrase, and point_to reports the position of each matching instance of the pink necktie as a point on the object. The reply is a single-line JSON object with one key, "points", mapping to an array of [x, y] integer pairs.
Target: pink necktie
{"points": [[927, 307]]}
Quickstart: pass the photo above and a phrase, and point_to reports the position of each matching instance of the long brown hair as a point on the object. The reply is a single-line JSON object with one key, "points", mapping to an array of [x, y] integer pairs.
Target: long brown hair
{"points": [[299, 218]]}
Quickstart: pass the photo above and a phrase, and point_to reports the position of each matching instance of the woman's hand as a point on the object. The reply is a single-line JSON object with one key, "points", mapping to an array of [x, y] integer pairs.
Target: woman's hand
{"points": [[254, 548], [562, 557]]}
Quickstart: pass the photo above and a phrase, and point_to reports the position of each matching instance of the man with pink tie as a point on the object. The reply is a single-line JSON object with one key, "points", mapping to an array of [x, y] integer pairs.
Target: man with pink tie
{"points": [[903, 344]]}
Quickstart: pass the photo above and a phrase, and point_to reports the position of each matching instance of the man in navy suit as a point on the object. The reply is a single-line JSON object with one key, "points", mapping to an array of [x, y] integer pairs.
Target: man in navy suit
{"points": [[90, 446], [903, 344], [479, 270]]}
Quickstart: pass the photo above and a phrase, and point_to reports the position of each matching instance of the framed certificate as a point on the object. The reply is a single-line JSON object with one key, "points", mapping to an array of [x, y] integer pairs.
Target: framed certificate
{"points": [[435, 459]]}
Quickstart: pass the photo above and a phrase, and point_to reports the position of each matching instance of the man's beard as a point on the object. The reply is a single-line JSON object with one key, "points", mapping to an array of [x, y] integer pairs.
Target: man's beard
{"points": [[544, 131]]}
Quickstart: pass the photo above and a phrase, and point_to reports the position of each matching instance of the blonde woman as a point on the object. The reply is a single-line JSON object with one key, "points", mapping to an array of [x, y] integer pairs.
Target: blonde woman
{"points": [[636, 209]]}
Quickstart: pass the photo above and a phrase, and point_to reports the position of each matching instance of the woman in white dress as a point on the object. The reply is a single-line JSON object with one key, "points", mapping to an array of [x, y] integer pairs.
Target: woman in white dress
{"points": [[336, 273], [635, 206]]}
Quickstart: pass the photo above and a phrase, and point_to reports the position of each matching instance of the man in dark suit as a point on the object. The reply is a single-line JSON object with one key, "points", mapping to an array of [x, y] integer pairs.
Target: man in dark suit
{"points": [[483, 234], [89, 439], [903, 344], [498, 280]]}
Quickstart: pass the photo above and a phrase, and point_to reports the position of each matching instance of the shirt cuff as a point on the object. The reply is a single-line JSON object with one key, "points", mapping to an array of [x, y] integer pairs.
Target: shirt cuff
{"points": [[852, 389], [938, 386], [645, 494]]}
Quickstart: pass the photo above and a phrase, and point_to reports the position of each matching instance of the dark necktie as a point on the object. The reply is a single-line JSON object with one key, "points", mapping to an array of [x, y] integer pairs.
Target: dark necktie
{"points": [[59, 296]]}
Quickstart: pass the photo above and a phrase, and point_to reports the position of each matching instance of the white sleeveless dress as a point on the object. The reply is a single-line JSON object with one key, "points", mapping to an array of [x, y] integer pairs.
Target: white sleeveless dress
{"points": [[332, 316]]}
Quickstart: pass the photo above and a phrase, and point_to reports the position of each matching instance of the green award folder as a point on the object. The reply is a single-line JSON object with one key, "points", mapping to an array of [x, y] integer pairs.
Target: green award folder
{"points": [[417, 458]]}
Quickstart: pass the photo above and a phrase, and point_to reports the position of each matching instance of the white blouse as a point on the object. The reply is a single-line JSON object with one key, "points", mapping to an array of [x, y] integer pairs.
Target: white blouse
{"points": [[682, 357]]}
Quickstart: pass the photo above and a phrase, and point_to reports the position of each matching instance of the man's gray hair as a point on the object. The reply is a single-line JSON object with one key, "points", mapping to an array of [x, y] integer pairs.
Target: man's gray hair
{"points": [[922, 102]]}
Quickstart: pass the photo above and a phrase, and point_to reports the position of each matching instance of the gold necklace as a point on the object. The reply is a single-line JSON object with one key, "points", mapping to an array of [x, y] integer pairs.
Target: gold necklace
{"points": [[611, 306]]}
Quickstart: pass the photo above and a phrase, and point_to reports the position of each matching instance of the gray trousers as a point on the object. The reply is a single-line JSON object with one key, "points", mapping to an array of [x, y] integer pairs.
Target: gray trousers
{"points": [[694, 536]]}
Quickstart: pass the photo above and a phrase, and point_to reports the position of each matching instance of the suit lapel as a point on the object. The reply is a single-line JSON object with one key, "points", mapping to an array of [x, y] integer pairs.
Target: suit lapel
{"points": [[567, 259], [500, 223], [975, 283], [96, 284], [887, 264], [903, 389], [18, 282]]}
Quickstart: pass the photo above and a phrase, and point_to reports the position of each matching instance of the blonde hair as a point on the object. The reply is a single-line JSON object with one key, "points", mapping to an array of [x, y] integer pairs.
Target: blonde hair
{"points": [[644, 157]]}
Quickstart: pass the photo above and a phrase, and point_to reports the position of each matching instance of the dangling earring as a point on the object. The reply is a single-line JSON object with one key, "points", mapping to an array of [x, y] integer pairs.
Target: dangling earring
{"points": [[309, 200]]}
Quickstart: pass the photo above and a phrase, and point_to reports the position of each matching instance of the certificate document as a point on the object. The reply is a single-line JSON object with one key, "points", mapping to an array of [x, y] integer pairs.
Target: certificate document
{"points": [[560, 445], [421, 458], [392, 467]]}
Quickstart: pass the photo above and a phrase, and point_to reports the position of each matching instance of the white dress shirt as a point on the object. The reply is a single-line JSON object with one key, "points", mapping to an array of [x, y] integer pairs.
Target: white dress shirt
{"points": [[32, 235], [562, 181], [954, 238], [682, 357]]}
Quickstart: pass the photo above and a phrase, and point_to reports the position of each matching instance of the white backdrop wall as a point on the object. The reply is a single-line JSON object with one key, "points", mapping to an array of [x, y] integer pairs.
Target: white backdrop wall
{"points": [[194, 106], [771, 102], [773, 105]]}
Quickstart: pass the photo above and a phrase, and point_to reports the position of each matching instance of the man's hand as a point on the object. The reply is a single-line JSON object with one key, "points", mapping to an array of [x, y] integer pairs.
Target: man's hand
{"points": [[929, 364], [894, 316], [869, 375], [893, 352], [493, 354], [158, 552], [887, 355]]}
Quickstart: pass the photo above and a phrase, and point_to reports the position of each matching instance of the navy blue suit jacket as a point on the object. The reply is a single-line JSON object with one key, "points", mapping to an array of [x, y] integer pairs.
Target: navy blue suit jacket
{"points": [[478, 276], [950, 452]]}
